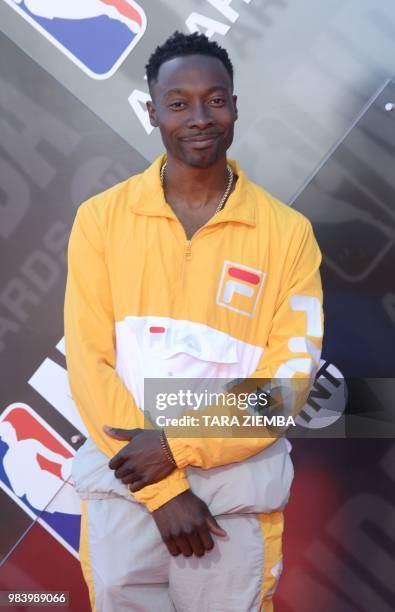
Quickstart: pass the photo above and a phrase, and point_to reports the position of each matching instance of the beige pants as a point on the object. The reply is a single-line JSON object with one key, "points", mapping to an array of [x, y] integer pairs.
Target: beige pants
{"points": [[127, 566]]}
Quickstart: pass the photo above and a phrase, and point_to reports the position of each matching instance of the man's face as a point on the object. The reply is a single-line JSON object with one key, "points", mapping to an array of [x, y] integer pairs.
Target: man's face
{"points": [[194, 108]]}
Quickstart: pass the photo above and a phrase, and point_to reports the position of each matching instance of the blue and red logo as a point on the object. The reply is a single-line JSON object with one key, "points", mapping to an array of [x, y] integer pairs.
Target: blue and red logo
{"points": [[97, 35], [35, 465]]}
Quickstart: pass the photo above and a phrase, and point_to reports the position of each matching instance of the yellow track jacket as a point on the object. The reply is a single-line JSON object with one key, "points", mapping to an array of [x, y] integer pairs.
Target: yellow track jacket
{"points": [[242, 298]]}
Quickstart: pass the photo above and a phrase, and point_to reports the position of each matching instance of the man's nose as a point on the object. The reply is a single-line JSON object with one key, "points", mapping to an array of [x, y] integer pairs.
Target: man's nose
{"points": [[200, 116]]}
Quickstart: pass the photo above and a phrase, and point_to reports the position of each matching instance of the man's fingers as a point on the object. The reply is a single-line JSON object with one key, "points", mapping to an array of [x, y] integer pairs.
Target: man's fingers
{"points": [[128, 477], [196, 543], [136, 485], [117, 461], [120, 434], [214, 527], [172, 547], [206, 538], [183, 544], [124, 470]]}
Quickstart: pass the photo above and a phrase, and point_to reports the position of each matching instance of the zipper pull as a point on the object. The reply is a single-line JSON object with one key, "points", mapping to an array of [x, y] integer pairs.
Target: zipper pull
{"points": [[188, 250]]}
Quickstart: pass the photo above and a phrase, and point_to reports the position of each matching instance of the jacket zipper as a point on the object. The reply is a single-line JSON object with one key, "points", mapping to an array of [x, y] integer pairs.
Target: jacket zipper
{"points": [[187, 257], [188, 243], [188, 250]]}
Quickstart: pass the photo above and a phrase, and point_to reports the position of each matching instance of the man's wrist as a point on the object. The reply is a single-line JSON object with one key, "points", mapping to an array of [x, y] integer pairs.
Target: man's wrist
{"points": [[156, 495]]}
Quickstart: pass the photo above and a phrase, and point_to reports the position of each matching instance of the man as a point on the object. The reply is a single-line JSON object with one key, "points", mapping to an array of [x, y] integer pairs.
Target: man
{"points": [[188, 270]]}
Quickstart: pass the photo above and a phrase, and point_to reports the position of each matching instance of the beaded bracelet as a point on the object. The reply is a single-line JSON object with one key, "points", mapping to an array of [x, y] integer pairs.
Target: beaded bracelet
{"points": [[166, 448]]}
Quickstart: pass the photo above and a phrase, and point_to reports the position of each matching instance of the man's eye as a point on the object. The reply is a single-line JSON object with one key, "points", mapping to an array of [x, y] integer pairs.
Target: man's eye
{"points": [[217, 101], [177, 105]]}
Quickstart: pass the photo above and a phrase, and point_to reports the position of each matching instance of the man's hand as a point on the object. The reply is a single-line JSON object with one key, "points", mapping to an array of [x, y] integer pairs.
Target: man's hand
{"points": [[142, 461], [185, 523]]}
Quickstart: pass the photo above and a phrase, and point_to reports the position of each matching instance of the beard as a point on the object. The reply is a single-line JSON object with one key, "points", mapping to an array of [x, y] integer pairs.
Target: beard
{"points": [[203, 159]]}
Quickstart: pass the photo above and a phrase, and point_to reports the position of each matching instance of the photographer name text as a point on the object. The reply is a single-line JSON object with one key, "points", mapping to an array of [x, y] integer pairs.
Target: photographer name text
{"points": [[245, 420]]}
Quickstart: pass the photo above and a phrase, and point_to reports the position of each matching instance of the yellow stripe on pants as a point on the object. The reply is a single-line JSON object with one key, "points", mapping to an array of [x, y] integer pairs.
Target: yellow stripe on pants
{"points": [[84, 555], [272, 526]]}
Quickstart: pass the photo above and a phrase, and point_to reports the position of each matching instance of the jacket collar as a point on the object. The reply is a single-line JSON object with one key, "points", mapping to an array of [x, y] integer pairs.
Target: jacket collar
{"points": [[149, 197]]}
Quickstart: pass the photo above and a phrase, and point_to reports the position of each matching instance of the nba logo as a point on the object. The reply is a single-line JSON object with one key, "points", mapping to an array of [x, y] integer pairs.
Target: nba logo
{"points": [[239, 288], [35, 465], [97, 35]]}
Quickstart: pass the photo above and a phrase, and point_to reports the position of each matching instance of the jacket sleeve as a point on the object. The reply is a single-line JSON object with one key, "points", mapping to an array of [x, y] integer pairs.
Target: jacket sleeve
{"points": [[292, 352], [97, 390]]}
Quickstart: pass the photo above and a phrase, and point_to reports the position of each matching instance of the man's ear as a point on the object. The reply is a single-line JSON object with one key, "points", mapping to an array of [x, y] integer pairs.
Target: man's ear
{"points": [[152, 113], [234, 98]]}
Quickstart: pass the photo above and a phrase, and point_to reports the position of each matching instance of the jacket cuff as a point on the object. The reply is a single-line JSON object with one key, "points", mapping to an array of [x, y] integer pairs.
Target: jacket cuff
{"points": [[159, 493], [180, 451]]}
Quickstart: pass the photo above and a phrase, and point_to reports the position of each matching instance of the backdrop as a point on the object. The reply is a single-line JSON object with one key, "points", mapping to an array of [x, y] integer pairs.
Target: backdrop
{"points": [[317, 129]]}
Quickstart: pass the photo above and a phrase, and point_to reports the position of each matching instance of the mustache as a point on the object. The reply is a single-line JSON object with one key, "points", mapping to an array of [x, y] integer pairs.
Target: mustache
{"points": [[208, 134]]}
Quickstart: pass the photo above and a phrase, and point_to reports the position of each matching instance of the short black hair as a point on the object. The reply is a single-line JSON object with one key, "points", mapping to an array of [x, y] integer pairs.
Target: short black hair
{"points": [[179, 44]]}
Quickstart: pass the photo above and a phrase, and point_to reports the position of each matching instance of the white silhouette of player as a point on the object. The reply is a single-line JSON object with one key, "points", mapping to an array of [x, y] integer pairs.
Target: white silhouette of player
{"points": [[84, 9], [28, 478]]}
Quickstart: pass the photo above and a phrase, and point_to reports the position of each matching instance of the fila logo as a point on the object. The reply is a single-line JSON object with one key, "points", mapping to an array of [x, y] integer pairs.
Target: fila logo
{"points": [[168, 338], [239, 288]]}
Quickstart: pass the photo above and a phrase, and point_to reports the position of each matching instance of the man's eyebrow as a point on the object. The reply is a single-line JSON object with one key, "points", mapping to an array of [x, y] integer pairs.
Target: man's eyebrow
{"points": [[169, 92], [178, 90]]}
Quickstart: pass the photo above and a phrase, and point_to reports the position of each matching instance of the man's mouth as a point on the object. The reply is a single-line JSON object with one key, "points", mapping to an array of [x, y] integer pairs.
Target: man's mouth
{"points": [[201, 140]]}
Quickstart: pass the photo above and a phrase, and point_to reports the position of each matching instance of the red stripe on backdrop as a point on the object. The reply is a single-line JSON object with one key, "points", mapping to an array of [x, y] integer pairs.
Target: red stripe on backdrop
{"points": [[125, 9]]}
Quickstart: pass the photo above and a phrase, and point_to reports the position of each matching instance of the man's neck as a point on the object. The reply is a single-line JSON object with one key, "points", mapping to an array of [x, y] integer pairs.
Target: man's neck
{"points": [[195, 187]]}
